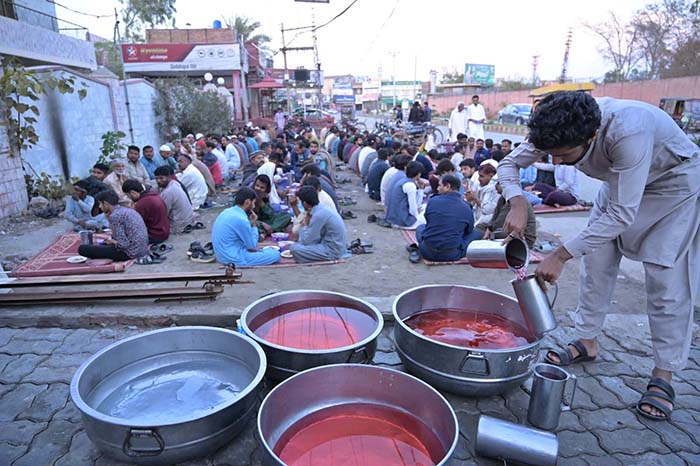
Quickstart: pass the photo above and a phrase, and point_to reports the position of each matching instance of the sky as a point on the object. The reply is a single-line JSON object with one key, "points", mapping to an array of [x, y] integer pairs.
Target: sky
{"points": [[439, 35]]}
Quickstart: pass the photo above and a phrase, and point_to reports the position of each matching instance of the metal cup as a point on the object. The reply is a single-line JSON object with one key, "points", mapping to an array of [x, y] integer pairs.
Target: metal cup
{"points": [[490, 254], [547, 400], [86, 237], [535, 305], [514, 443]]}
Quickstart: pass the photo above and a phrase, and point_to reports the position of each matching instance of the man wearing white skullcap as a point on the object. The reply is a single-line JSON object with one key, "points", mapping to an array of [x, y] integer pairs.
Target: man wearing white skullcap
{"points": [[166, 153]]}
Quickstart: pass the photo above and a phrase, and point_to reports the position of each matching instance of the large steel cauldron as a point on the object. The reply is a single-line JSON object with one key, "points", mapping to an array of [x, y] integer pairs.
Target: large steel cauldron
{"points": [[466, 371], [315, 392], [285, 361], [166, 396]]}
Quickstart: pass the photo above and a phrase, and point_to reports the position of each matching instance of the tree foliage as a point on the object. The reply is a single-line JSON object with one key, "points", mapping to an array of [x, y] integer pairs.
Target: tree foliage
{"points": [[20, 90], [107, 54], [184, 108], [452, 77], [139, 13], [245, 27]]}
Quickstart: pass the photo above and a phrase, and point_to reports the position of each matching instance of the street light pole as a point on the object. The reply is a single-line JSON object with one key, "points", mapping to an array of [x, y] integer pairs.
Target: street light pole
{"points": [[286, 72]]}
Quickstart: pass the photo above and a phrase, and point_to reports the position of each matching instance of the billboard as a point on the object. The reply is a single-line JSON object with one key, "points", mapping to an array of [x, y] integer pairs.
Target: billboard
{"points": [[483, 75], [189, 58]]}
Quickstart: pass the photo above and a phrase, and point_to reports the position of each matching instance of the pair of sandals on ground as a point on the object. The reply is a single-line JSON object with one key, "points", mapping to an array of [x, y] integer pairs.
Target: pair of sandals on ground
{"points": [[203, 254], [156, 254], [651, 398]]}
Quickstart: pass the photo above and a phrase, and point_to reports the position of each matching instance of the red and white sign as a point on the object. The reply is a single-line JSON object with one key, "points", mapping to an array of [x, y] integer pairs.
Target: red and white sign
{"points": [[160, 58]]}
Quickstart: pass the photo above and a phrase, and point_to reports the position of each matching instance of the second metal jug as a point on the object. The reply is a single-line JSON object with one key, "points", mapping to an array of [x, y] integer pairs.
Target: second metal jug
{"points": [[491, 254], [535, 305], [547, 398]]}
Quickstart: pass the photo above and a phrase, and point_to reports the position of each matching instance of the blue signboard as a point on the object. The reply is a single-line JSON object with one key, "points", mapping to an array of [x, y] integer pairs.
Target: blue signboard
{"points": [[344, 99]]}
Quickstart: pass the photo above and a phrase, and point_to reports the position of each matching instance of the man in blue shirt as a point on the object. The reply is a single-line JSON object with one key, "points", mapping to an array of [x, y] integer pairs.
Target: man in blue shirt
{"points": [[235, 234], [151, 161], [449, 224], [481, 153]]}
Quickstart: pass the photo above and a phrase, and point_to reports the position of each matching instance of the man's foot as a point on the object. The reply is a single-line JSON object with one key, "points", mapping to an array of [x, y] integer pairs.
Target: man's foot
{"points": [[582, 350], [657, 402]]}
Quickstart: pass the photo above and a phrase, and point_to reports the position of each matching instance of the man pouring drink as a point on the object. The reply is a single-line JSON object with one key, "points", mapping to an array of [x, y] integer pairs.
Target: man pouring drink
{"points": [[648, 210]]}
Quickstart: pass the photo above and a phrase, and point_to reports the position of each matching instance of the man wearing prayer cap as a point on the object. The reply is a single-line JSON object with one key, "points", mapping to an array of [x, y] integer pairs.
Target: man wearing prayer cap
{"points": [[166, 153]]}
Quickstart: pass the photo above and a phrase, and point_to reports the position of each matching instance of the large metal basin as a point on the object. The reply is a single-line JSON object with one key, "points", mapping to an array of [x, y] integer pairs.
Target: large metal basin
{"points": [[330, 386], [284, 361], [466, 371], [166, 396]]}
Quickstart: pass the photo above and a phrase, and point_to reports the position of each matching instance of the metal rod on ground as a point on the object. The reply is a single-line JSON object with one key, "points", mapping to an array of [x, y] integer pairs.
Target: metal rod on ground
{"points": [[118, 43]]}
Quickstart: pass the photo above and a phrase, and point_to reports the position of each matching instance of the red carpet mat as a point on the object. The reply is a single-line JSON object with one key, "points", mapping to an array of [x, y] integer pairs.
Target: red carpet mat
{"points": [[410, 237], [547, 209], [52, 260]]}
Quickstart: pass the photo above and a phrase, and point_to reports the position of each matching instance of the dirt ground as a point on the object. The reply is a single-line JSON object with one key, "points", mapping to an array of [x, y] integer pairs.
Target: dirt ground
{"points": [[383, 274]]}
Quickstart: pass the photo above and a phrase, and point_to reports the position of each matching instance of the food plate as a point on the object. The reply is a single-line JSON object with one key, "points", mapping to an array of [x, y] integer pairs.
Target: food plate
{"points": [[276, 248], [284, 245], [287, 254], [76, 259]]}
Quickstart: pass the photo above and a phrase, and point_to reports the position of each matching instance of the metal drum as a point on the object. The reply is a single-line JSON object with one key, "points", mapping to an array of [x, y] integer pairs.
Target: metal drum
{"points": [[285, 361], [309, 393], [466, 371], [170, 395]]}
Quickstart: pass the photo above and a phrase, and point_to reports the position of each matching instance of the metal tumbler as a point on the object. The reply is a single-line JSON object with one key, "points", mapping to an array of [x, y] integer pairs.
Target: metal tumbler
{"points": [[490, 254], [547, 399], [515, 443], [535, 305], [86, 237]]}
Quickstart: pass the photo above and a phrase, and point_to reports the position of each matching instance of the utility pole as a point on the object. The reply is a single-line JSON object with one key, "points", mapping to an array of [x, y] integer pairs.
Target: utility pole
{"points": [[286, 72], [535, 62], [118, 42], [393, 75], [565, 64], [317, 65], [244, 69]]}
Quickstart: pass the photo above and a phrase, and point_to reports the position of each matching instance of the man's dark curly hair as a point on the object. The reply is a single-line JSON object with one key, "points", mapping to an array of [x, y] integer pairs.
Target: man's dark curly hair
{"points": [[563, 120]]}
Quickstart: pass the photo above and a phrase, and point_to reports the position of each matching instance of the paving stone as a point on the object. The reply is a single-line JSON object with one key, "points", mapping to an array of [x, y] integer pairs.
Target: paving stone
{"points": [[5, 359], [18, 400], [673, 437], [606, 368], [573, 444], [617, 386], [690, 458], [601, 397], [632, 442], [19, 367], [583, 400], [49, 445], [460, 403], [43, 374], [6, 334], [601, 460], [10, 453], [569, 420], [641, 365], [20, 432], [517, 402], [690, 375], [42, 334], [76, 341], [80, 452], [69, 413], [688, 401], [6, 387], [385, 342], [462, 451], [609, 419], [239, 451], [389, 359], [652, 459], [39, 347], [47, 403]]}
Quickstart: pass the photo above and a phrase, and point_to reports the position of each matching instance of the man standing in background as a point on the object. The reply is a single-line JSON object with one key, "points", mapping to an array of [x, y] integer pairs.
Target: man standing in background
{"points": [[477, 118]]}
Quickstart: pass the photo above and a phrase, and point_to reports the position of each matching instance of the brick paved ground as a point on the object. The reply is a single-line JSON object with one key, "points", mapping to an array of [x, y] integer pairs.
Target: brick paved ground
{"points": [[40, 426]]}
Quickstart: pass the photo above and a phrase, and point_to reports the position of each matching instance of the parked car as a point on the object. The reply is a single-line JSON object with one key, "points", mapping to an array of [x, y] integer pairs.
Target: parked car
{"points": [[515, 113], [316, 114]]}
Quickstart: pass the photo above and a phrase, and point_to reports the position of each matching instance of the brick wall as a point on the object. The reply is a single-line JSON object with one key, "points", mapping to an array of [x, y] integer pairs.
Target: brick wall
{"points": [[189, 36]]}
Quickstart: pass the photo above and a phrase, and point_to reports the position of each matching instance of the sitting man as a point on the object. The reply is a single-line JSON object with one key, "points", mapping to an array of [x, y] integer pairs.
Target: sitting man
{"points": [[566, 192], [235, 234], [192, 180], [129, 235], [250, 171], [269, 221], [151, 161], [376, 173], [311, 169], [152, 209], [406, 199], [499, 218], [485, 199], [95, 182], [169, 156], [79, 207], [449, 224], [116, 178], [180, 212], [322, 236]]}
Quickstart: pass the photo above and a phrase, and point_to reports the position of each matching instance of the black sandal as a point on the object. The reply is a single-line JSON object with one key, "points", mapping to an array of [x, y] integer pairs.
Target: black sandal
{"points": [[651, 398], [566, 357]]}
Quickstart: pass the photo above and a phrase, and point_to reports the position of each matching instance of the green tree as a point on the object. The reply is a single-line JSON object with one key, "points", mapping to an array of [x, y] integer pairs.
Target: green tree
{"points": [[139, 13], [245, 27], [107, 54], [452, 77], [184, 108]]}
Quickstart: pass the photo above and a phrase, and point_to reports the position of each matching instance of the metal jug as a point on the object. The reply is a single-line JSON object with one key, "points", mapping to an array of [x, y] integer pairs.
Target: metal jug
{"points": [[535, 305], [547, 400], [491, 254], [514, 443]]}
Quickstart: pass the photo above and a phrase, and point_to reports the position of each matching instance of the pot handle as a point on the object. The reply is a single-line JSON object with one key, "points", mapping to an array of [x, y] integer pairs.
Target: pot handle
{"points": [[567, 406], [353, 359], [475, 363], [149, 443]]}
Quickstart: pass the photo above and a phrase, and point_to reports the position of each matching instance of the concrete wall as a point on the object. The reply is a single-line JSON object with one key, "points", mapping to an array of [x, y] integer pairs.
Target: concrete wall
{"points": [[646, 91], [36, 18], [143, 118], [13, 195]]}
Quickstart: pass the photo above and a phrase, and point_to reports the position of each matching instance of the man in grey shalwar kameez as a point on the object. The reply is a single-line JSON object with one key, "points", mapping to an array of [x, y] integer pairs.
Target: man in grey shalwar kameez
{"points": [[322, 238], [647, 210]]}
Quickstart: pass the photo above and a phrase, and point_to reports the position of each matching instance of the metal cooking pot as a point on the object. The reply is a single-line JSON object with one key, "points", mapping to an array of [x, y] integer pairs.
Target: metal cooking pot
{"points": [[283, 361], [466, 371], [170, 395], [330, 386]]}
